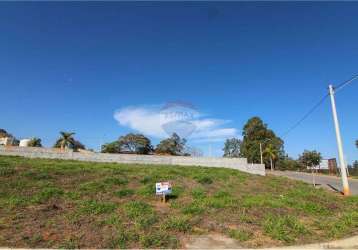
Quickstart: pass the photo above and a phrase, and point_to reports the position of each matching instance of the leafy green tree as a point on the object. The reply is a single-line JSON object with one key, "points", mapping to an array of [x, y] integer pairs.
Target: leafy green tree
{"points": [[172, 146], [3, 133], [287, 163], [112, 147], [232, 148], [255, 131], [135, 143], [310, 158], [66, 140], [35, 142], [272, 153], [78, 145], [355, 164]]}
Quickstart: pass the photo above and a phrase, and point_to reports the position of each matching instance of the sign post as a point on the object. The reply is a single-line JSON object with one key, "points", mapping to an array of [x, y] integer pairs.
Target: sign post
{"points": [[163, 188]]}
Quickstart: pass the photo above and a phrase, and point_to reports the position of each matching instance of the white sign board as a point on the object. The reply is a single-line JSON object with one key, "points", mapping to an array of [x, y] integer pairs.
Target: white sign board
{"points": [[322, 165], [163, 188]]}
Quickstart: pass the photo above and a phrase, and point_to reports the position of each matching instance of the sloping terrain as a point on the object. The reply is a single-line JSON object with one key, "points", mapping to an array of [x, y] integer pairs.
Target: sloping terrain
{"points": [[69, 204]]}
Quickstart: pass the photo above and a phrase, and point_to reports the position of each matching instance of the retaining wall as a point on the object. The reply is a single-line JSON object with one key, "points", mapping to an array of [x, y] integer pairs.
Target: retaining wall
{"points": [[234, 163]]}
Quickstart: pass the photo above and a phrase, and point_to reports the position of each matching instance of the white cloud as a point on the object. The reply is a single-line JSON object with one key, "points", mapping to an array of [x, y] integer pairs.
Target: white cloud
{"points": [[149, 121]]}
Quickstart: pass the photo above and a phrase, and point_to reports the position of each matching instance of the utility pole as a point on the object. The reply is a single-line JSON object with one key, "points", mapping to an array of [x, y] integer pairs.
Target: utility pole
{"points": [[339, 143], [261, 153]]}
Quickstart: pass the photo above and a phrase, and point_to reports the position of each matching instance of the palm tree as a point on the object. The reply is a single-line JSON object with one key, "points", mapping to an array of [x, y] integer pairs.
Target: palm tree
{"points": [[66, 140], [271, 152]]}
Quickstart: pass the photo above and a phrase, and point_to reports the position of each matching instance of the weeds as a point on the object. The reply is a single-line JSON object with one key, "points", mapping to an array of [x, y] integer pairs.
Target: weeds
{"points": [[239, 235], [180, 224], [124, 193], [47, 193], [95, 207], [203, 179], [141, 213], [209, 198], [284, 228], [115, 181], [158, 239]]}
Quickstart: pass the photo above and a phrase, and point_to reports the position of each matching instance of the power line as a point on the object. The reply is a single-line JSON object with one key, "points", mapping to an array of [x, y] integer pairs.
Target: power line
{"points": [[339, 87], [344, 84], [295, 125]]}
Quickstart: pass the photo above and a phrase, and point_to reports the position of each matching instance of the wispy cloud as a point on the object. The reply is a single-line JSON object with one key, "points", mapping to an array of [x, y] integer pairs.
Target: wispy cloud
{"points": [[149, 120]]}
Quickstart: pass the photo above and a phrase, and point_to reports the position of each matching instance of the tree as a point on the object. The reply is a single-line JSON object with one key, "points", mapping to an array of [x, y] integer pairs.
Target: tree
{"points": [[357, 143], [254, 133], [112, 147], [78, 145], [355, 164], [172, 146], [3, 133], [65, 141], [35, 142], [271, 152], [310, 158], [135, 143], [232, 148], [287, 163]]}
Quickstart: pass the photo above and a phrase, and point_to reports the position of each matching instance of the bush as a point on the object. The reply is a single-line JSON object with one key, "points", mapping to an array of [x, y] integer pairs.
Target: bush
{"points": [[289, 164]]}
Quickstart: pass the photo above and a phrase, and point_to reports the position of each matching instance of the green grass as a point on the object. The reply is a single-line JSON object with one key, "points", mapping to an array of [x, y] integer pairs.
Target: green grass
{"points": [[239, 235], [69, 204], [95, 207], [47, 193], [285, 228], [124, 192]]}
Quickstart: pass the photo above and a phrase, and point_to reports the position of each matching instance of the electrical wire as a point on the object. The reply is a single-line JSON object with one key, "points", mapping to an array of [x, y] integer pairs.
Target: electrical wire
{"points": [[295, 125], [344, 84], [337, 88]]}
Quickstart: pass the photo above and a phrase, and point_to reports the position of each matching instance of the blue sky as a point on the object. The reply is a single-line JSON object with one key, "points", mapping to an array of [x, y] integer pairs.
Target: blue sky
{"points": [[76, 66]]}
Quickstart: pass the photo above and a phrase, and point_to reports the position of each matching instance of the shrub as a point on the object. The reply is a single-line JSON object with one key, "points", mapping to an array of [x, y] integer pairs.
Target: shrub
{"points": [[289, 164]]}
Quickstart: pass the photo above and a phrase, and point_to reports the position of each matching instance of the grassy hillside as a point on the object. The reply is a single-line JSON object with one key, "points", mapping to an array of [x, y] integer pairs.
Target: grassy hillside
{"points": [[68, 204]]}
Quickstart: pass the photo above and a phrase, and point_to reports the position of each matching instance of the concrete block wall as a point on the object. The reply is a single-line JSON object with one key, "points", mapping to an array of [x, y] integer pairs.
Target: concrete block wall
{"points": [[50, 153]]}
